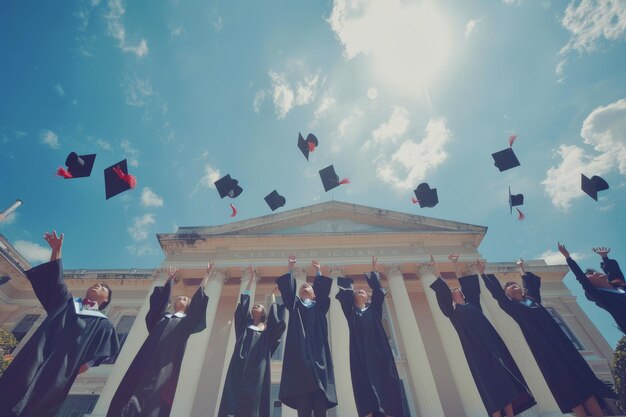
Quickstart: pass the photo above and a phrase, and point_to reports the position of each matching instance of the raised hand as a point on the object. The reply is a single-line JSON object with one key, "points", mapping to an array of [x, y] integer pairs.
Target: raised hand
{"points": [[172, 273], [563, 251], [602, 251], [433, 264], [454, 258], [292, 261], [209, 267], [480, 266], [250, 277], [56, 243], [374, 261], [520, 264], [317, 267]]}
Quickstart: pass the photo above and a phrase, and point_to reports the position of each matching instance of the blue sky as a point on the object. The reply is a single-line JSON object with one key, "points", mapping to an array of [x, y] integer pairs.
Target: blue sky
{"points": [[398, 93]]}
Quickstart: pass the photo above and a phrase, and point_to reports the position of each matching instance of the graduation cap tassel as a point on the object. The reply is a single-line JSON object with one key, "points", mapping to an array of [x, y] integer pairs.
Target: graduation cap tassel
{"points": [[311, 146], [345, 181], [62, 172], [512, 140], [414, 200], [234, 213], [127, 178], [520, 215]]}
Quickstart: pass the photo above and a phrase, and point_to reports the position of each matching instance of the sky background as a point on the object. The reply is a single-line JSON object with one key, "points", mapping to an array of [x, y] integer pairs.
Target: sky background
{"points": [[397, 92]]}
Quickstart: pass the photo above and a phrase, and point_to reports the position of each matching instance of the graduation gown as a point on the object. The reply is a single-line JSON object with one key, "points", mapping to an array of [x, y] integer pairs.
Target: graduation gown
{"points": [[567, 374], [375, 379], [248, 381], [39, 378], [497, 377], [611, 269], [613, 301], [149, 386], [307, 365]]}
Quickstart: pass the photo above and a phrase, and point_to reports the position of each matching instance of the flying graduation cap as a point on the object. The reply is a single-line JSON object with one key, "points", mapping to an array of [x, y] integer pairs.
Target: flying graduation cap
{"points": [[228, 187], [117, 179], [330, 179], [516, 200], [77, 166], [275, 200], [4, 280], [425, 196], [592, 185], [308, 145], [506, 159]]}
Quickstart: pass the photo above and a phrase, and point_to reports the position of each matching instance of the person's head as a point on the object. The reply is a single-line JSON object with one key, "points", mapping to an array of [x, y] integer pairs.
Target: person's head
{"points": [[181, 304], [360, 298], [514, 291], [306, 292], [258, 313], [457, 296], [100, 293], [596, 278]]}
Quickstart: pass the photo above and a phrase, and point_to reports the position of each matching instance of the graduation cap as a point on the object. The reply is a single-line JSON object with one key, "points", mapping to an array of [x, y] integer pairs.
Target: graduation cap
{"points": [[426, 196], [117, 179], [592, 185], [516, 200], [77, 166], [506, 159], [275, 200], [308, 145], [330, 179], [344, 282], [228, 187]]}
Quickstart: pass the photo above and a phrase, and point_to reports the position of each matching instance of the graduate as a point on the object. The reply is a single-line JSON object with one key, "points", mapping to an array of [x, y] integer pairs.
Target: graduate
{"points": [[74, 336], [149, 386], [308, 381], [570, 379], [248, 381], [497, 377], [608, 295], [375, 379]]}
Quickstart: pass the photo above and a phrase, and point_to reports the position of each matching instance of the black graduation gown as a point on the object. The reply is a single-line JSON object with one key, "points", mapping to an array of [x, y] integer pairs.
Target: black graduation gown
{"points": [[375, 379], [566, 372], [307, 365], [248, 381], [149, 386], [39, 378], [497, 377], [613, 301]]}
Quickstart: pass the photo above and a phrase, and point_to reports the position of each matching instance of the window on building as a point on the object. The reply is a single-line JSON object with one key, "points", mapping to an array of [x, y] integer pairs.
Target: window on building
{"points": [[27, 322], [568, 332], [277, 410], [77, 405], [122, 329]]}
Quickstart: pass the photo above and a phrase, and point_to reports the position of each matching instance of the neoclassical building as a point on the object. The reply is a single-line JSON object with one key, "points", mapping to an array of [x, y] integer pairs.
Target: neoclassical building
{"points": [[342, 237]]}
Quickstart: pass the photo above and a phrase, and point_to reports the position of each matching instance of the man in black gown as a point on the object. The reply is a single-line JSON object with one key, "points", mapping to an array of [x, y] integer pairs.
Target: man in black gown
{"points": [[497, 377], [248, 381], [308, 380], [375, 379], [598, 289], [149, 386], [74, 336], [569, 377]]}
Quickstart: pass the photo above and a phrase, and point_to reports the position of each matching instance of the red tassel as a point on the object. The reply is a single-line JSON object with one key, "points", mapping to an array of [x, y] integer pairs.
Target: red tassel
{"points": [[414, 200], [345, 181], [234, 213], [62, 172], [311, 146], [127, 178], [520, 215], [512, 139]]}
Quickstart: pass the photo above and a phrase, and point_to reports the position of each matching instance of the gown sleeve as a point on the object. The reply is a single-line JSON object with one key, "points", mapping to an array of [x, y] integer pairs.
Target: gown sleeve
{"points": [[321, 287], [287, 287], [48, 284], [241, 314], [346, 299], [275, 325], [612, 269], [471, 290], [107, 344], [532, 285], [497, 292], [195, 320], [590, 290], [378, 292], [444, 297], [159, 302]]}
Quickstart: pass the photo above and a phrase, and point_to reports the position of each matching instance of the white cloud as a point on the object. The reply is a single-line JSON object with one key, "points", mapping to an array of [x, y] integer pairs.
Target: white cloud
{"points": [[138, 91], [140, 250], [177, 31], [555, 258], [210, 176], [512, 2], [33, 252], [372, 93], [50, 138], [104, 145], [115, 27], [10, 219], [413, 161], [605, 130], [347, 122], [591, 23], [141, 225], [218, 24], [396, 126], [470, 26], [325, 104], [150, 199], [259, 98], [130, 153], [287, 93], [58, 88]]}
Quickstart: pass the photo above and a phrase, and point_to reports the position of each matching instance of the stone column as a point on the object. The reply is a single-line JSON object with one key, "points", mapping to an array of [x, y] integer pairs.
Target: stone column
{"points": [[515, 341], [196, 348], [137, 335], [230, 346], [339, 344], [421, 374], [470, 397]]}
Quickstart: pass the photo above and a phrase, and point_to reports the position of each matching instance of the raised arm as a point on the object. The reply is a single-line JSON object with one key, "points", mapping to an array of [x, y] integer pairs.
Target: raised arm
{"points": [[581, 277], [275, 324], [160, 300], [609, 266], [287, 285], [321, 287], [243, 308], [378, 292], [497, 292], [345, 296], [444, 297]]}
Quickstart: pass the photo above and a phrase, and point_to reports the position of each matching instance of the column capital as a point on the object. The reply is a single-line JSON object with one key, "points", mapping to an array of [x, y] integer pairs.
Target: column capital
{"points": [[218, 274], [245, 275], [393, 269], [335, 271], [299, 273], [425, 269]]}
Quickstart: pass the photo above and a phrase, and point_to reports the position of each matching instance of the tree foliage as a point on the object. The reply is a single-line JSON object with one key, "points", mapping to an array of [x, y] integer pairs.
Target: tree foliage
{"points": [[8, 342], [619, 372]]}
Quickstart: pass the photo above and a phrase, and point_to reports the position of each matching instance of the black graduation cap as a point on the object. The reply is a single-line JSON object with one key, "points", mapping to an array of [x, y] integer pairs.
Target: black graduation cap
{"points": [[592, 185], [77, 166], [117, 179], [308, 145], [275, 200], [228, 187], [426, 196], [344, 282], [4, 280], [330, 178], [516, 200], [506, 159]]}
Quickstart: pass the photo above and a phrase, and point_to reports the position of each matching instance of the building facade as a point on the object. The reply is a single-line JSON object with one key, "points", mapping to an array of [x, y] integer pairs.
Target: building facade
{"points": [[343, 238]]}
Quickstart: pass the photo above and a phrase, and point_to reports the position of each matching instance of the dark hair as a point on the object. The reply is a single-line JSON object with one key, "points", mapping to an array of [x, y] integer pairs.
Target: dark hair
{"points": [[590, 271], [508, 284], [105, 304]]}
